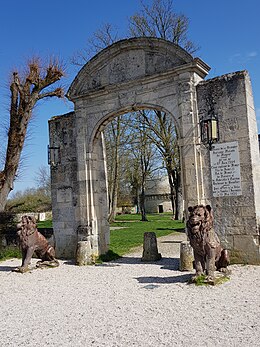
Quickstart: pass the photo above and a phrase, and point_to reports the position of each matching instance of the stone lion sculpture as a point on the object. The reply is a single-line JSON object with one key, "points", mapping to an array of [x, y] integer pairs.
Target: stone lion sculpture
{"points": [[208, 253], [31, 240]]}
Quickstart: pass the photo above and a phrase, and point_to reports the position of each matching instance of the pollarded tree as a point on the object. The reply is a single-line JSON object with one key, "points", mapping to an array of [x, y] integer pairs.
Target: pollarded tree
{"points": [[26, 91]]}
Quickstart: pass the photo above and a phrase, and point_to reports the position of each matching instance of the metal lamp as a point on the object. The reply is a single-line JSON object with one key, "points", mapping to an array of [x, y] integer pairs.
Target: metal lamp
{"points": [[209, 130], [53, 156]]}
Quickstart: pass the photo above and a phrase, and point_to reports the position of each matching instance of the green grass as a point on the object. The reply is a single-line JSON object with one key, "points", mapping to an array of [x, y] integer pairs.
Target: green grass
{"points": [[123, 240], [10, 252], [44, 224], [202, 280], [137, 217]]}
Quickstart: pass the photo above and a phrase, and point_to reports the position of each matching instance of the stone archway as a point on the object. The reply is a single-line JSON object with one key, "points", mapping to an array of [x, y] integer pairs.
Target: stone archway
{"points": [[126, 76]]}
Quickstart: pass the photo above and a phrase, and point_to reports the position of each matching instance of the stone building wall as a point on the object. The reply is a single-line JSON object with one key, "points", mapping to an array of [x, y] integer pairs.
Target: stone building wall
{"points": [[236, 217], [157, 196], [64, 183]]}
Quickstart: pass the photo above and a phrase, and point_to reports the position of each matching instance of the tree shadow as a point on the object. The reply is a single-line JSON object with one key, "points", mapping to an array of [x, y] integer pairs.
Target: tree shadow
{"points": [[7, 268], [184, 278], [165, 263], [180, 230], [170, 242]]}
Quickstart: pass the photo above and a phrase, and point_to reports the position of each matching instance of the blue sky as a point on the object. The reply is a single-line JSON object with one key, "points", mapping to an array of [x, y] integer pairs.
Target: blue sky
{"points": [[227, 32]]}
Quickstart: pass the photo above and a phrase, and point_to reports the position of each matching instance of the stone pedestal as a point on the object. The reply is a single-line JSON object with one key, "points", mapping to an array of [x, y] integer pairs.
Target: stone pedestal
{"points": [[186, 256], [150, 250]]}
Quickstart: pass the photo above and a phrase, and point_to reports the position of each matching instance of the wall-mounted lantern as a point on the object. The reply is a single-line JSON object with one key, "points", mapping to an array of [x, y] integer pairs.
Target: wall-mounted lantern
{"points": [[209, 130], [53, 156]]}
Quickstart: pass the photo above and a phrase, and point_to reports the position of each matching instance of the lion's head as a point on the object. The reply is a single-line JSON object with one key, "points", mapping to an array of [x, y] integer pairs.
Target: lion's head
{"points": [[27, 225], [200, 219]]}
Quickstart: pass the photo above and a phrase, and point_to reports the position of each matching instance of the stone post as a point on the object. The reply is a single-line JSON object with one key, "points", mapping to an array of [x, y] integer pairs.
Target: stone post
{"points": [[83, 253], [150, 250], [186, 256]]}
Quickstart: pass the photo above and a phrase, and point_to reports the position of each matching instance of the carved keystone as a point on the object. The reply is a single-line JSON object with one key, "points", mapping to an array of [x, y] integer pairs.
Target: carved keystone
{"points": [[186, 256], [150, 250]]}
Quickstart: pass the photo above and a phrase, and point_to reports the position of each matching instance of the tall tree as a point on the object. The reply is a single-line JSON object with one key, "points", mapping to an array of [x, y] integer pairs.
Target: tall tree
{"points": [[160, 20], [101, 38], [162, 134], [26, 91], [112, 138], [156, 20], [43, 179], [144, 159]]}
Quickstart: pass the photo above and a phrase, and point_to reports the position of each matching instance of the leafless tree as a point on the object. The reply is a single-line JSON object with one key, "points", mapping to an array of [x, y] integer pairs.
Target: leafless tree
{"points": [[102, 38], [26, 91], [156, 20], [162, 134], [160, 20], [43, 179], [112, 138]]}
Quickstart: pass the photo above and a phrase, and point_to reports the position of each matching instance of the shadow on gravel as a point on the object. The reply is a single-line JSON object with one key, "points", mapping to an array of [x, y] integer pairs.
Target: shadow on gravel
{"points": [[165, 280], [168, 263], [170, 242], [7, 268]]}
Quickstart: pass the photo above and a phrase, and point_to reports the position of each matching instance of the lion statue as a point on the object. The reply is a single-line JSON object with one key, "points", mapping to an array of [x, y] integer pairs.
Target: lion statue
{"points": [[31, 240], [208, 253]]}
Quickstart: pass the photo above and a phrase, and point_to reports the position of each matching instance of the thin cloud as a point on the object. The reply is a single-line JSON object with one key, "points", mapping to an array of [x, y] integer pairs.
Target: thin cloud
{"points": [[242, 58], [252, 54]]}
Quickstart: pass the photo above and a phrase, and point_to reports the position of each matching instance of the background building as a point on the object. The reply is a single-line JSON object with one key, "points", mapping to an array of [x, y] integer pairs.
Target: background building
{"points": [[157, 196]]}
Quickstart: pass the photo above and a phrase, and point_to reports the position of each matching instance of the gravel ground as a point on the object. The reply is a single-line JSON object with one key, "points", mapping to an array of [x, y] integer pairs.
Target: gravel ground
{"points": [[127, 303]]}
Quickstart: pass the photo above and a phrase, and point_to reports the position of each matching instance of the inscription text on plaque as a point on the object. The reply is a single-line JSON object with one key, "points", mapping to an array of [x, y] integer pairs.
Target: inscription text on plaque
{"points": [[225, 169]]}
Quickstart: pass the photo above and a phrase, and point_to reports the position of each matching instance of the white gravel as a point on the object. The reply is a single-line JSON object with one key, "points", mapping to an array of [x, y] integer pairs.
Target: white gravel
{"points": [[128, 303]]}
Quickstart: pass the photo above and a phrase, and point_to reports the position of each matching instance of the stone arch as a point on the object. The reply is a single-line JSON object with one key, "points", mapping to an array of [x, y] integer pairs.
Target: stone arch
{"points": [[120, 63], [130, 74], [104, 121]]}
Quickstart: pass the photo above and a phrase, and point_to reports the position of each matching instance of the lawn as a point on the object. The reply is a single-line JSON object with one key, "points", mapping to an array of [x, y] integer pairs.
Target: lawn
{"points": [[123, 240], [44, 224]]}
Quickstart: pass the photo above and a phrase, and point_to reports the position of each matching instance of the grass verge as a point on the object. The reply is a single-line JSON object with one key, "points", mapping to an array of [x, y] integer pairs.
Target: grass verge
{"points": [[129, 236], [132, 232], [10, 252]]}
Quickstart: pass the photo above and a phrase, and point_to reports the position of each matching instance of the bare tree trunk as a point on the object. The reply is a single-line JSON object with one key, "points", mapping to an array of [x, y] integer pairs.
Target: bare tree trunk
{"points": [[172, 190], [24, 96], [114, 186], [177, 188], [142, 206], [16, 138]]}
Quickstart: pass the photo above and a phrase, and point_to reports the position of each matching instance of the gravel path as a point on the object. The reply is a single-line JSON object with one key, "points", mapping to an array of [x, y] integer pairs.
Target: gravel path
{"points": [[128, 303]]}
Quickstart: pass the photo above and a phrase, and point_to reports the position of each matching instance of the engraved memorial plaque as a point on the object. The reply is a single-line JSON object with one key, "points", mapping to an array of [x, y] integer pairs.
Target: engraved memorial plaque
{"points": [[225, 169]]}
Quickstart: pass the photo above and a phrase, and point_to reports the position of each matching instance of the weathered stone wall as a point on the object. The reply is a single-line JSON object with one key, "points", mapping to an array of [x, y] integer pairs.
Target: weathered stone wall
{"points": [[64, 184], [157, 193], [236, 217]]}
